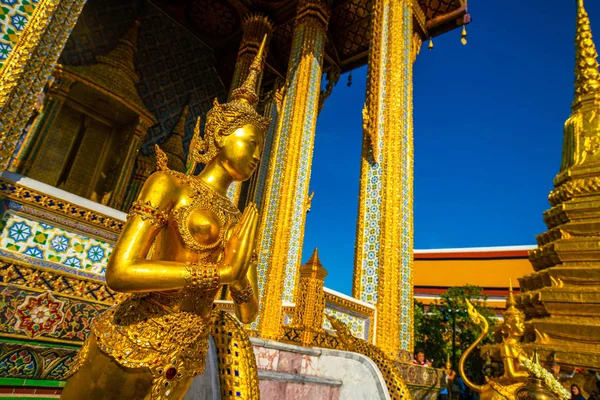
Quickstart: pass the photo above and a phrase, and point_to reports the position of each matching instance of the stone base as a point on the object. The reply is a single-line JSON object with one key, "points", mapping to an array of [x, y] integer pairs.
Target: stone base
{"points": [[294, 372]]}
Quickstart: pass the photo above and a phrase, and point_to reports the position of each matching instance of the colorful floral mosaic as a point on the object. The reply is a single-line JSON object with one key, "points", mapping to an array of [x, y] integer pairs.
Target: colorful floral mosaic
{"points": [[52, 244], [14, 15], [18, 360], [39, 314], [74, 325]]}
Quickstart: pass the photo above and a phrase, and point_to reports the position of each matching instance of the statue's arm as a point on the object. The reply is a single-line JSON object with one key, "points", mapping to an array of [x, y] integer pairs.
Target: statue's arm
{"points": [[245, 300], [127, 269], [510, 369]]}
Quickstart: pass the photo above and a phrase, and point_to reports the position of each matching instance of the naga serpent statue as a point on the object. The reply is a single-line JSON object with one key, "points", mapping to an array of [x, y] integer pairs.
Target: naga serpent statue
{"points": [[391, 373], [182, 242], [521, 376]]}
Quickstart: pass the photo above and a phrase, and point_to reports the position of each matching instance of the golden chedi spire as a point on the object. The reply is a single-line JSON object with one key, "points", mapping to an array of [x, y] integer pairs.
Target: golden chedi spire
{"points": [[511, 309], [173, 146], [313, 266], [561, 298], [587, 76], [310, 301], [247, 92]]}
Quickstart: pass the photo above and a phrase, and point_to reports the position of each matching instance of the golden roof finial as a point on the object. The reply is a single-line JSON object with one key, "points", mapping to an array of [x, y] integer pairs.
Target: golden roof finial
{"points": [[247, 91], [511, 310], [587, 77]]}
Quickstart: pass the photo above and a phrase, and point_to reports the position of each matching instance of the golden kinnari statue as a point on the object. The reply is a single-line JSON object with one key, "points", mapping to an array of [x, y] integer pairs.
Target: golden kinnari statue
{"points": [[182, 241], [522, 379]]}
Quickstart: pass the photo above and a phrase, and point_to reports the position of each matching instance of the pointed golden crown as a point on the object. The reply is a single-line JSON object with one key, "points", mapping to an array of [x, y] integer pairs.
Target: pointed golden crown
{"points": [[223, 119], [587, 76], [511, 311]]}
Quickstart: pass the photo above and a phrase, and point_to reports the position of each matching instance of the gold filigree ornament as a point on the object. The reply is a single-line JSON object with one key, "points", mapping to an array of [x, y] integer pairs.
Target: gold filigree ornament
{"points": [[149, 212], [143, 333], [223, 119], [242, 296]]}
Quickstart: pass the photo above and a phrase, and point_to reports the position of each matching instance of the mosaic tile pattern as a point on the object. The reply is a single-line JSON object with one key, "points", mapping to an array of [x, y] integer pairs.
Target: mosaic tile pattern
{"points": [[371, 213], [359, 326], [14, 15], [45, 242], [271, 204], [175, 68], [51, 218], [372, 206], [75, 315], [303, 180], [35, 362], [406, 299]]}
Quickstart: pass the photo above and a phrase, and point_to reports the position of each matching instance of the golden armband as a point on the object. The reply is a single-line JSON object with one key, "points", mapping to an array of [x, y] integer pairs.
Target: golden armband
{"points": [[244, 295], [204, 276], [148, 212]]}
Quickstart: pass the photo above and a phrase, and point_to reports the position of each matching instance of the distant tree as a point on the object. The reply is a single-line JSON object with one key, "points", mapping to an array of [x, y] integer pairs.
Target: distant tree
{"points": [[434, 327]]}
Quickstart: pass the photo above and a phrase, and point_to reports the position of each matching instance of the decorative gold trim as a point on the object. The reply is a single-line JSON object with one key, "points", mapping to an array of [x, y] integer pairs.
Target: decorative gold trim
{"points": [[574, 188], [237, 363], [29, 65], [44, 279], [242, 296], [32, 197], [349, 305], [147, 211], [203, 277]]}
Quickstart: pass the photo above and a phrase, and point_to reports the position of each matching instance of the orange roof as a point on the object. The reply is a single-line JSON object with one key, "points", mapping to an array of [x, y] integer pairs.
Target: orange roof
{"points": [[488, 267]]}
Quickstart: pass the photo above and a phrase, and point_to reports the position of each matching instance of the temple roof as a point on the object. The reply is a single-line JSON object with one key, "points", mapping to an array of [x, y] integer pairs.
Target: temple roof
{"points": [[218, 24]]}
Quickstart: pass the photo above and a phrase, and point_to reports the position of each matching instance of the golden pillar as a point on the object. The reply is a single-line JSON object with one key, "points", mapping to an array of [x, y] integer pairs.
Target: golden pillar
{"points": [[562, 298], [29, 65], [255, 27], [310, 302], [31, 141], [284, 210], [384, 238]]}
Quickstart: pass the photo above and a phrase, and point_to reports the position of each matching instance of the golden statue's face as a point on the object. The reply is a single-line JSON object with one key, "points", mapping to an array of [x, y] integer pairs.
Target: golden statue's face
{"points": [[517, 326], [241, 152]]}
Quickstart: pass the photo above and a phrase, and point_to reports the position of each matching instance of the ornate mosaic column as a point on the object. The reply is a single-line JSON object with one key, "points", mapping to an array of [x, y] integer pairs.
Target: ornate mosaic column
{"points": [[284, 210], [384, 238], [255, 28], [31, 141], [29, 65]]}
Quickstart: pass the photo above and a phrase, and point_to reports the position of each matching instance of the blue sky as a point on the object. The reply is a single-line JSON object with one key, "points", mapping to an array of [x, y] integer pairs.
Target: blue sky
{"points": [[488, 135]]}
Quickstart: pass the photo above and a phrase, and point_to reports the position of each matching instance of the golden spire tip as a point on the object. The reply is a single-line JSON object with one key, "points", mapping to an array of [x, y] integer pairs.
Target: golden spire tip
{"points": [[247, 91]]}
